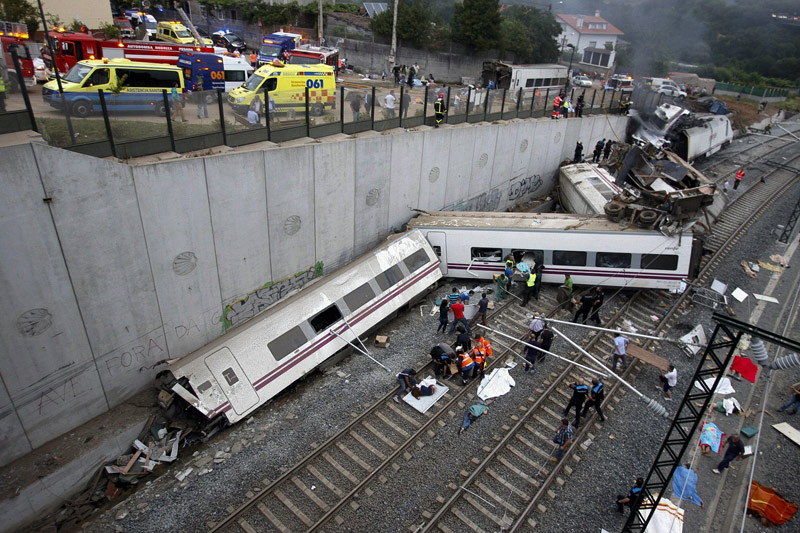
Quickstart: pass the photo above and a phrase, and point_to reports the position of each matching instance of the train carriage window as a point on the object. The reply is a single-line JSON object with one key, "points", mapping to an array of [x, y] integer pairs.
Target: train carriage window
{"points": [[325, 319], [613, 260], [416, 260], [528, 256], [569, 258], [230, 376], [287, 343], [203, 387], [359, 297], [490, 255], [438, 251], [659, 262], [389, 277]]}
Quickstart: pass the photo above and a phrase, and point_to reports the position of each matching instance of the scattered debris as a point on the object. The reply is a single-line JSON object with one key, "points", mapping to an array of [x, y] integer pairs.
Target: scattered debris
{"points": [[748, 270], [764, 298], [739, 294], [381, 341], [769, 266], [781, 260]]}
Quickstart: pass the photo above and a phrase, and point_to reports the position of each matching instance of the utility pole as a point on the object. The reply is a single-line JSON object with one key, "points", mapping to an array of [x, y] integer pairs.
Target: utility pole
{"points": [[393, 53], [319, 24]]}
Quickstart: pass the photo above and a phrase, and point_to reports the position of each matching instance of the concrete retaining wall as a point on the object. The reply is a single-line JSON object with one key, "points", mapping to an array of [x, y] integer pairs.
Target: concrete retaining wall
{"points": [[108, 269]]}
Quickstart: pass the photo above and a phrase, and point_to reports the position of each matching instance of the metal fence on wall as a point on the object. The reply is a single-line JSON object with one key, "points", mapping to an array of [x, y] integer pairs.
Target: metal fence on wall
{"points": [[764, 92], [203, 120]]}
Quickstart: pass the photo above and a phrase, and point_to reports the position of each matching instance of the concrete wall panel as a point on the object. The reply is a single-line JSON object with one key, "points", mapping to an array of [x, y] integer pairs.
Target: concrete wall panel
{"points": [[483, 158], [572, 135], [434, 169], [100, 228], [238, 197], [175, 213], [334, 197], [13, 442], [406, 177], [557, 152], [503, 159], [524, 183], [45, 359], [372, 178], [459, 168], [290, 206]]}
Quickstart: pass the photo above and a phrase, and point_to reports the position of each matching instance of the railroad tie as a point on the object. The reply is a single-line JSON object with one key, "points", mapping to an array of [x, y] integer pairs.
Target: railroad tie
{"points": [[361, 440], [516, 470], [245, 526], [343, 471], [498, 499], [392, 425], [480, 506], [325, 481], [353, 457], [293, 508], [403, 415], [500, 479], [380, 435], [464, 518], [310, 494]]}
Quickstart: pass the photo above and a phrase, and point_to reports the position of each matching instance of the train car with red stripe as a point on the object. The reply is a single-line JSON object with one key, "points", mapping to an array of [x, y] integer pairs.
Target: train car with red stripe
{"points": [[228, 379], [70, 47], [590, 248]]}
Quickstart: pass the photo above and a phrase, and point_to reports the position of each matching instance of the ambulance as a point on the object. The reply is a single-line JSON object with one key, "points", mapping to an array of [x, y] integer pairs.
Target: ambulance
{"points": [[287, 86], [211, 71], [175, 32]]}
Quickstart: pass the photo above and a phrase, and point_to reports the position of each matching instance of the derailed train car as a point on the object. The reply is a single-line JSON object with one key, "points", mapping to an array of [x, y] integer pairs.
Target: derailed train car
{"points": [[229, 378]]}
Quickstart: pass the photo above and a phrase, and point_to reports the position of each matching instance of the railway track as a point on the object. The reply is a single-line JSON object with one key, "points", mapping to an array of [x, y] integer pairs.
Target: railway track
{"points": [[506, 487]]}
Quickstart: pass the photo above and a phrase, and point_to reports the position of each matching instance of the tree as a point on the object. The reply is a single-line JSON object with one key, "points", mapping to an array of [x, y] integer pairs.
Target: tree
{"points": [[413, 22], [530, 34], [20, 11], [476, 24]]}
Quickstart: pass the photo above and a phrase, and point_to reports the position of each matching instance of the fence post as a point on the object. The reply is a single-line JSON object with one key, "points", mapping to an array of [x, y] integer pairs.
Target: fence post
{"points": [[594, 93], [602, 98], [447, 115], [402, 95], [372, 111], [611, 102], [469, 95], [533, 101], [267, 114], [486, 103], [519, 100], [24, 90], [168, 114], [308, 122], [546, 98], [503, 103], [222, 116], [106, 121], [341, 109]]}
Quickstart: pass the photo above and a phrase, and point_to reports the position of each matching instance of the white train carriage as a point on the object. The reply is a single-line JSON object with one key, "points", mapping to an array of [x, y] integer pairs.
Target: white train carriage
{"points": [[705, 139], [247, 366], [592, 249]]}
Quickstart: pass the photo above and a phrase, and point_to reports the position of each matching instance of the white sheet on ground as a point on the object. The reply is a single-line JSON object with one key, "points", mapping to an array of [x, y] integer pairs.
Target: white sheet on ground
{"points": [[426, 402], [724, 386], [496, 384], [729, 403], [668, 518]]}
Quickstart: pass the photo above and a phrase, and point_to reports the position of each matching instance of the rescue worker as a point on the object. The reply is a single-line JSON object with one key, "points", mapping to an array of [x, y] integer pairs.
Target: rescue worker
{"points": [[465, 364], [530, 285], [253, 59], [625, 106], [738, 179], [441, 355], [440, 109], [557, 107], [481, 351], [596, 394], [579, 391], [633, 499], [579, 107]]}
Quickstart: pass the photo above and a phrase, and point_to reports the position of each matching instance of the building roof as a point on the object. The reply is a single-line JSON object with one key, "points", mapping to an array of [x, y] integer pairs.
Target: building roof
{"points": [[572, 21]]}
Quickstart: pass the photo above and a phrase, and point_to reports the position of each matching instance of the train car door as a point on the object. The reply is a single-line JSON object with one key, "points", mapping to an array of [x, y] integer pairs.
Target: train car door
{"points": [[232, 380], [438, 242]]}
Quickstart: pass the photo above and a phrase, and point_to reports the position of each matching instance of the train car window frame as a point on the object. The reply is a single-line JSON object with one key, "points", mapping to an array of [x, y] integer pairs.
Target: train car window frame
{"points": [[326, 318], [417, 260], [287, 342], [571, 258], [476, 254], [389, 277], [359, 297], [613, 260], [538, 255], [660, 262]]}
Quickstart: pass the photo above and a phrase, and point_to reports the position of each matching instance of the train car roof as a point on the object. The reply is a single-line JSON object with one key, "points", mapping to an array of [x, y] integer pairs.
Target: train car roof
{"points": [[520, 221]]}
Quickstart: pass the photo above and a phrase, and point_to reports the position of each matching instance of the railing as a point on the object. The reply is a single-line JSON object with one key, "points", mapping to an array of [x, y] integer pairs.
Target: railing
{"points": [[96, 124], [763, 92]]}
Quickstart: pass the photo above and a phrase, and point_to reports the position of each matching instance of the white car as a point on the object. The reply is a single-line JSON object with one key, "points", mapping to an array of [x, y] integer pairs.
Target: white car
{"points": [[581, 81]]}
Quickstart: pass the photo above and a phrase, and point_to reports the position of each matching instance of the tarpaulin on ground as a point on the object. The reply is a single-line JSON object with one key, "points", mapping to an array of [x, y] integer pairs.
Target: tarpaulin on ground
{"points": [[667, 518], [767, 503], [710, 434], [745, 367], [684, 485], [723, 388], [497, 383]]}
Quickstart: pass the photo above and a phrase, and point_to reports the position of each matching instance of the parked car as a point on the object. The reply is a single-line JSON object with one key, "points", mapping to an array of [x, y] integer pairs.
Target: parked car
{"points": [[231, 41], [581, 81]]}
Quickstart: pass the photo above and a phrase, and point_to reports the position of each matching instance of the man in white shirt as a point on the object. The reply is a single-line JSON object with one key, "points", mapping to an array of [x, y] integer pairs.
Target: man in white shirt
{"points": [[620, 344], [668, 381], [389, 106]]}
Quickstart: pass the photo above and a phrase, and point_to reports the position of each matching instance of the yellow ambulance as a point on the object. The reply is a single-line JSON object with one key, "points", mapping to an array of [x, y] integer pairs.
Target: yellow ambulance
{"points": [[175, 32], [286, 85]]}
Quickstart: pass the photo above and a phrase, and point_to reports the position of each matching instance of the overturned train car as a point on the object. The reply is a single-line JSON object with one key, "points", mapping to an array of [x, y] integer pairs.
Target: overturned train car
{"points": [[229, 378]]}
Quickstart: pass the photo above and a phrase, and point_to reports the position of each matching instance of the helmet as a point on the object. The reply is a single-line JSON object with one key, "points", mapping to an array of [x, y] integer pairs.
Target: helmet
{"points": [[441, 95]]}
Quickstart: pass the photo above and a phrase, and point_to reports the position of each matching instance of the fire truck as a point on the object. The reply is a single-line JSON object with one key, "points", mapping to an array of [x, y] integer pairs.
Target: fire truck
{"points": [[13, 35], [308, 54], [71, 47]]}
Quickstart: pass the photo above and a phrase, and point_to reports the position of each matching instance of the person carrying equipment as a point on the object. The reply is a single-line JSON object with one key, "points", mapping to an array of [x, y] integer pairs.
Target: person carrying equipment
{"points": [[440, 109]]}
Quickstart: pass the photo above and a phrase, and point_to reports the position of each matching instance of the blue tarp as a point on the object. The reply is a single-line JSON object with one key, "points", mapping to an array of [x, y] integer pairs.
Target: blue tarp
{"points": [[689, 492]]}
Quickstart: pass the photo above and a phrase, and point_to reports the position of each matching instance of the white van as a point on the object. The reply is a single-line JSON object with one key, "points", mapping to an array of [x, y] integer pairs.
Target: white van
{"points": [[665, 86]]}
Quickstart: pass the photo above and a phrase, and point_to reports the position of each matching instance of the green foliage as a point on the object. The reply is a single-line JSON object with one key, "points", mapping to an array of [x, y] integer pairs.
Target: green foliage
{"points": [[530, 34], [110, 31], [75, 25], [20, 11], [477, 24], [413, 22], [278, 14]]}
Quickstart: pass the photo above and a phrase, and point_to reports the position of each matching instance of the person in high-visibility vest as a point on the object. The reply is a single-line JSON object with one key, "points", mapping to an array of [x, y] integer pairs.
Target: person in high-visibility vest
{"points": [[2, 93], [481, 350], [253, 59], [465, 365], [739, 177], [530, 284], [439, 109]]}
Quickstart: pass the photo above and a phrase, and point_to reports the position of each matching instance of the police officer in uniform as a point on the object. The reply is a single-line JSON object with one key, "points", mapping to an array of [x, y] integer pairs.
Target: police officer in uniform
{"points": [[579, 391], [595, 399], [440, 109], [632, 499]]}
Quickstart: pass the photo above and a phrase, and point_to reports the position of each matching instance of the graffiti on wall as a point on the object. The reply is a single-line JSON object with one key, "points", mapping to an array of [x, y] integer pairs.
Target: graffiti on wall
{"points": [[263, 297], [524, 186], [487, 201]]}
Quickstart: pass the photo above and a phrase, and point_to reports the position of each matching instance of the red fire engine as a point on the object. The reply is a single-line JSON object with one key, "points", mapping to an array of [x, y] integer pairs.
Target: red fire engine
{"points": [[71, 47], [12, 35]]}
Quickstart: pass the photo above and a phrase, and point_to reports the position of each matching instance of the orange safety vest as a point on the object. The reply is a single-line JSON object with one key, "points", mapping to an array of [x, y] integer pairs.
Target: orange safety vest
{"points": [[482, 350], [253, 57], [465, 360]]}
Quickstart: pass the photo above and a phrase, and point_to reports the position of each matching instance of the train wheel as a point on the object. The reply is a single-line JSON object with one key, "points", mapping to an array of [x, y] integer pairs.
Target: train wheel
{"points": [[614, 210], [647, 217]]}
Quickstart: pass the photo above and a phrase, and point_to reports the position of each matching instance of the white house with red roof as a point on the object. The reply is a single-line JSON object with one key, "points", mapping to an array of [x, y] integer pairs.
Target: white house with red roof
{"points": [[594, 39]]}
